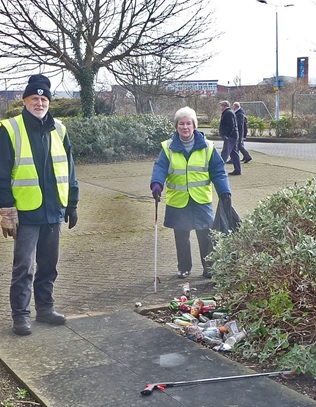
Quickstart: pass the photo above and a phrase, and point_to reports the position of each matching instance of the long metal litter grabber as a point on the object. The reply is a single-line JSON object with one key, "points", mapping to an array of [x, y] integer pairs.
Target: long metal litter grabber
{"points": [[156, 245], [163, 385]]}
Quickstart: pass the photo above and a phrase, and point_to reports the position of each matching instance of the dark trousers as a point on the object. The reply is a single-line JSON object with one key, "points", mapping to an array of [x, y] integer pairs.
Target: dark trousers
{"points": [[242, 149], [38, 243], [183, 247], [230, 148]]}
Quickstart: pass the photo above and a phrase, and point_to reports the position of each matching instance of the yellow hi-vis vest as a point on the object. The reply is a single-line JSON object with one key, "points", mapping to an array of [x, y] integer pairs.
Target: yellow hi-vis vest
{"points": [[188, 178], [25, 183]]}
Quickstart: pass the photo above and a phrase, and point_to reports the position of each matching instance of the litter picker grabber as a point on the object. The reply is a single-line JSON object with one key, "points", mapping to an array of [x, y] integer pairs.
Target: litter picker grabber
{"points": [[163, 385], [156, 244]]}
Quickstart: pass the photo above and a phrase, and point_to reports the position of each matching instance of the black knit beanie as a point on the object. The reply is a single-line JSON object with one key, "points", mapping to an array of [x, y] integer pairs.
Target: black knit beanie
{"points": [[38, 85]]}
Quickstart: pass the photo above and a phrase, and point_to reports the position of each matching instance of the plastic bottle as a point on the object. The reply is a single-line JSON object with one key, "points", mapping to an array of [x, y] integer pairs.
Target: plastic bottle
{"points": [[210, 323], [212, 332], [186, 290], [181, 322], [237, 337]]}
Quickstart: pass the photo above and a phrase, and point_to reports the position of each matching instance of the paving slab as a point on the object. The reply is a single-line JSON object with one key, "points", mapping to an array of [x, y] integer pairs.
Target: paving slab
{"points": [[108, 359]]}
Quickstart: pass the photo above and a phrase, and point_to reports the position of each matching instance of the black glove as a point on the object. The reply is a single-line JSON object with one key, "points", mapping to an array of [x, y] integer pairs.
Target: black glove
{"points": [[227, 205], [156, 190], [226, 199], [71, 214]]}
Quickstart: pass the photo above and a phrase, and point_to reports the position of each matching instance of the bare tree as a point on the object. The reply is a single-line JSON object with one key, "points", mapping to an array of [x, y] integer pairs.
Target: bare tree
{"points": [[143, 77], [84, 36]]}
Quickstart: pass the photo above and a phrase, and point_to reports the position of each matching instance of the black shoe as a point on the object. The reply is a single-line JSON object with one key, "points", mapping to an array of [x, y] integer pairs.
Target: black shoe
{"points": [[52, 318], [206, 274], [22, 326], [234, 173], [183, 274], [247, 160]]}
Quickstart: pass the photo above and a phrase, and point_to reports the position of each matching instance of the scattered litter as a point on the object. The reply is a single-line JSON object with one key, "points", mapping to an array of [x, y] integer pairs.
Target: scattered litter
{"points": [[202, 320]]}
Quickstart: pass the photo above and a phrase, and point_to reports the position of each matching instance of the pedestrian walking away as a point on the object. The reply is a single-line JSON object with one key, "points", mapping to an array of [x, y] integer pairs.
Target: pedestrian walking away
{"points": [[228, 130], [242, 131], [38, 191], [187, 166]]}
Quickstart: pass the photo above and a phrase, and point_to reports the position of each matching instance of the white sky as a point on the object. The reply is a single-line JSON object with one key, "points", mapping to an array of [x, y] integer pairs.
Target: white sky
{"points": [[247, 48]]}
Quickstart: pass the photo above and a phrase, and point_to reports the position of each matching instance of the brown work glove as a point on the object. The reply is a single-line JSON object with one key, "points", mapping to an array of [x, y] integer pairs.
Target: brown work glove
{"points": [[9, 221]]}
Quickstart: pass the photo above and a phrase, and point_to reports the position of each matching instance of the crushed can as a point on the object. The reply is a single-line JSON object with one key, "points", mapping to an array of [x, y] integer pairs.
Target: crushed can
{"points": [[196, 307], [184, 307], [207, 308]]}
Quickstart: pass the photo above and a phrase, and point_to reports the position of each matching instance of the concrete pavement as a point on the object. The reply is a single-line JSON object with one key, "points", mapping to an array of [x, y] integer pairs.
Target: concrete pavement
{"points": [[107, 353]]}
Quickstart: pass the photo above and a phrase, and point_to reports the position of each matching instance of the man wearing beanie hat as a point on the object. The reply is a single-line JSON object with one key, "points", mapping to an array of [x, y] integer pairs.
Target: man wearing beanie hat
{"points": [[38, 191], [38, 85]]}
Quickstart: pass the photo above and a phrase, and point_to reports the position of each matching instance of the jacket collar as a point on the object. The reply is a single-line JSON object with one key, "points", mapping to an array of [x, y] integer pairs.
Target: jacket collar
{"points": [[47, 123], [177, 146]]}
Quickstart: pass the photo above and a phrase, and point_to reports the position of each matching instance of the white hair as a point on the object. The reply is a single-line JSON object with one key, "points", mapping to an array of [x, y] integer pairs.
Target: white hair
{"points": [[186, 112]]}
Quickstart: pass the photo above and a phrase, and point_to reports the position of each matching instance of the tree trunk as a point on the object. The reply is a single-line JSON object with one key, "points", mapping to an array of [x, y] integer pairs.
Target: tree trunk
{"points": [[87, 93]]}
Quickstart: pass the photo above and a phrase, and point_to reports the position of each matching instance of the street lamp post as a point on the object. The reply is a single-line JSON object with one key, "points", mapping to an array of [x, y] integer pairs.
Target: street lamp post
{"points": [[276, 83]]}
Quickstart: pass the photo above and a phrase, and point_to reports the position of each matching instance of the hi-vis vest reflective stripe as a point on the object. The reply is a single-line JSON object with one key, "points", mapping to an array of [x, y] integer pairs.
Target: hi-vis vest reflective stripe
{"points": [[25, 183], [188, 178]]}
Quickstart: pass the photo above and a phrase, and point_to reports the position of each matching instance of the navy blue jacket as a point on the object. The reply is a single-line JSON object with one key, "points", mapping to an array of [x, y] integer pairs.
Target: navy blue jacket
{"points": [[38, 132], [240, 116], [228, 125]]}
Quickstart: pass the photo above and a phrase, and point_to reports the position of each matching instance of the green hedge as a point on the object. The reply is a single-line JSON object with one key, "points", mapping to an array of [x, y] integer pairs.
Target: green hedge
{"points": [[267, 273], [117, 138]]}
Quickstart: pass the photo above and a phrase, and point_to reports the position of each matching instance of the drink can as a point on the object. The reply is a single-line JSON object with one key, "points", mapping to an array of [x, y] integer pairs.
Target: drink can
{"points": [[184, 307], [207, 308], [196, 307]]}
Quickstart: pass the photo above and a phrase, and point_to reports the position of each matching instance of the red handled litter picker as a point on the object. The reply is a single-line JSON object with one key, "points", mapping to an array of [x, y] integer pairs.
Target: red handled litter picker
{"points": [[163, 385]]}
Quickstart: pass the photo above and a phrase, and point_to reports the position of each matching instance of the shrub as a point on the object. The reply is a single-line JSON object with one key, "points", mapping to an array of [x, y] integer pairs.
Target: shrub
{"points": [[267, 272], [113, 138], [284, 126], [256, 125]]}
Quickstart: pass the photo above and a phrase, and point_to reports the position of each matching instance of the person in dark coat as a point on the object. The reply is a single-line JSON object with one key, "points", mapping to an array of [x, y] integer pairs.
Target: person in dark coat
{"points": [[242, 125], [228, 130], [38, 191], [188, 165]]}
